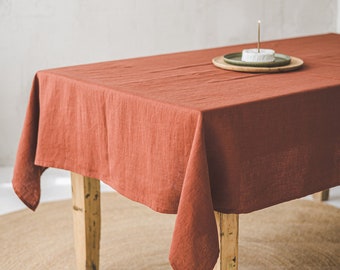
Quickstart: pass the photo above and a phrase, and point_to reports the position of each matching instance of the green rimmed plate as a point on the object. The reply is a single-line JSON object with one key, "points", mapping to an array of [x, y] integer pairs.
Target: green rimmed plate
{"points": [[235, 59], [294, 64]]}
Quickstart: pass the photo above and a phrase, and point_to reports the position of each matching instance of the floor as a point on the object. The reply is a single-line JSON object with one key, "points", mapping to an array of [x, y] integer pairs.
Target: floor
{"points": [[55, 185]]}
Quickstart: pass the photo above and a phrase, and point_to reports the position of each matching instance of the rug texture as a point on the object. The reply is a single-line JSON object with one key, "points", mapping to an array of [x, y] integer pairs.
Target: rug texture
{"points": [[299, 234]]}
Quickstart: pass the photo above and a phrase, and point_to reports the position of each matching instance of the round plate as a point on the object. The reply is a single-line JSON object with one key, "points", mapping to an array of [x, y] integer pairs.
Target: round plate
{"points": [[294, 64], [235, 59]]}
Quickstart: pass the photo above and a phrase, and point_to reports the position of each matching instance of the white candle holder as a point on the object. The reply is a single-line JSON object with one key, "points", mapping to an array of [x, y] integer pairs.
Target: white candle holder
{"points": [[258, 55]]}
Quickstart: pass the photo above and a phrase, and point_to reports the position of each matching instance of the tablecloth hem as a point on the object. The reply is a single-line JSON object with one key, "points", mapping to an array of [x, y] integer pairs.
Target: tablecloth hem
{"points": [[138, 199], [30, 205], [210, 267]]}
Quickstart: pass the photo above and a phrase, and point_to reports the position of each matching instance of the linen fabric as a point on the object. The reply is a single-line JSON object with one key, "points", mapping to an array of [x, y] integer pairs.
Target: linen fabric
{"points": [[181, 136]]}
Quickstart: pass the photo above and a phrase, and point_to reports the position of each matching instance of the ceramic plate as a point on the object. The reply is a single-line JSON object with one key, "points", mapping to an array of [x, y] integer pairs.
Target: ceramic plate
{"points": [[294, 64]]}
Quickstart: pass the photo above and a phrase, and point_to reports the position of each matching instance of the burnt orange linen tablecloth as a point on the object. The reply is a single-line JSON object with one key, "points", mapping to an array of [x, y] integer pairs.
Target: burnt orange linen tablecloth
{"points": [[182, 136]]}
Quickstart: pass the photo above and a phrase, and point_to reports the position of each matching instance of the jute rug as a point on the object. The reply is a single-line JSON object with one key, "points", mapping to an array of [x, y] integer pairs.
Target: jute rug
{"points": [[295, 235]]}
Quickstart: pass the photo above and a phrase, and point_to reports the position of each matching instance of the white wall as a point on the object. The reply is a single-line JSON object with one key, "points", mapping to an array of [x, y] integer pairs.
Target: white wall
{"points": [[338, 27], [40, 34]]}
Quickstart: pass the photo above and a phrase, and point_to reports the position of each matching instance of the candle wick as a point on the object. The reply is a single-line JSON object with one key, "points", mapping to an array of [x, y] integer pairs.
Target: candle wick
{"points": [[258, 35]]}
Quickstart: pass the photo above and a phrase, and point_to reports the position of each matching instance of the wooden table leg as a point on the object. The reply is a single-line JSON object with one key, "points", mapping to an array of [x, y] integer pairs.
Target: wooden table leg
{"points": [[227, 225], [322, 195], [86, 219]]}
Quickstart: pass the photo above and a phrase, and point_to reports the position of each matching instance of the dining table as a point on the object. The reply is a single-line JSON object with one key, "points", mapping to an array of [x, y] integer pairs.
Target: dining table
{"points": [[183, 136]]}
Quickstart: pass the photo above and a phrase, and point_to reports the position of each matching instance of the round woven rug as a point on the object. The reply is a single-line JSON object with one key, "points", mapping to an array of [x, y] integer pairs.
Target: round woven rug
{"points": [[296, 235]]}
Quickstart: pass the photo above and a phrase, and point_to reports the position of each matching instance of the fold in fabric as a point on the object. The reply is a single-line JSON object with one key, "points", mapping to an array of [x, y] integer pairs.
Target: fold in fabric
{"points": [[191, 210], [26, 175]]}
